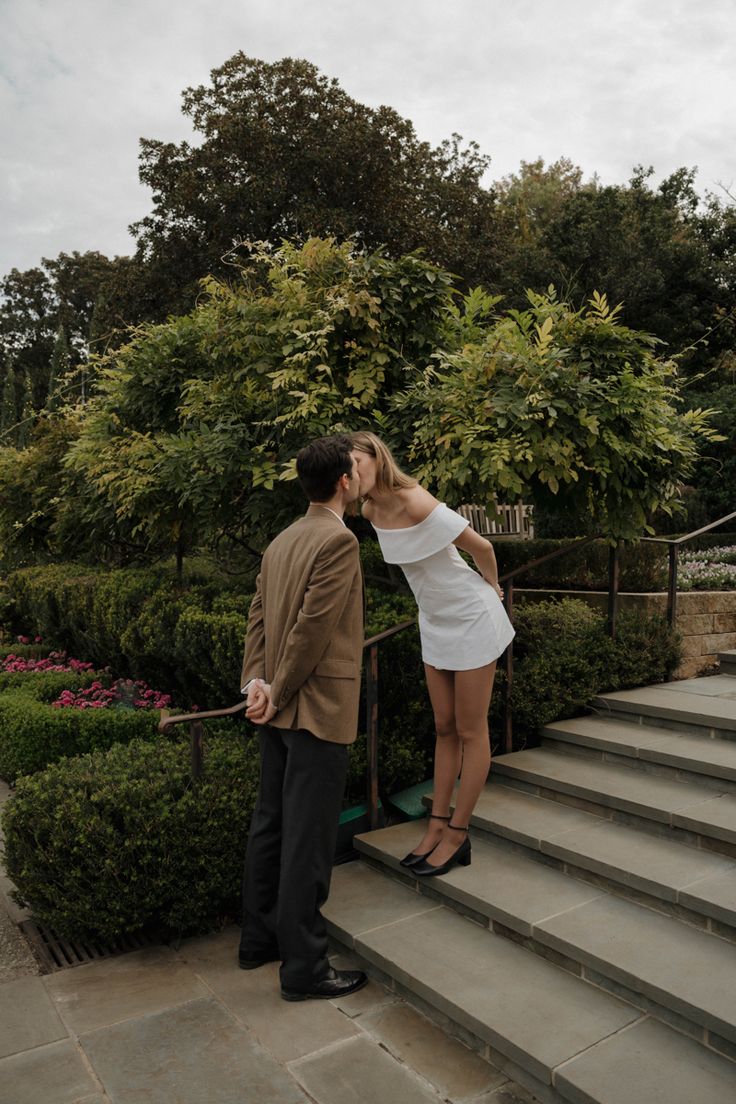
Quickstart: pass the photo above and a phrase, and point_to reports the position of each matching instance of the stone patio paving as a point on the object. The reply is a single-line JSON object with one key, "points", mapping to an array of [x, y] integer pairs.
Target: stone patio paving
{"points": [[186, 1026]]}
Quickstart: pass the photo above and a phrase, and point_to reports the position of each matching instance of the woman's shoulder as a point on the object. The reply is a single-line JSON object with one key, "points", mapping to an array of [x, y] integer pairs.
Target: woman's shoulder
{"points": [[417, 502]]}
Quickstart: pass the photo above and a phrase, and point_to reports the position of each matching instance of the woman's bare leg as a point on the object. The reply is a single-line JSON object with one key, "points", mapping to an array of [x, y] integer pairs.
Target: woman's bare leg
{"points": [[447, 751], [472, 700]]}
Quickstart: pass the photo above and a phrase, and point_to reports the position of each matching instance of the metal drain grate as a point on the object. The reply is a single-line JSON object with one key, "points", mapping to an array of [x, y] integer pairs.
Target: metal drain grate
{"points": [[55, 953]]}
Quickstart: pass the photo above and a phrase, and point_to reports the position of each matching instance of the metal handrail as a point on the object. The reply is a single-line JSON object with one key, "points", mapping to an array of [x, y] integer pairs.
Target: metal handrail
{"points": [[673, 550]]}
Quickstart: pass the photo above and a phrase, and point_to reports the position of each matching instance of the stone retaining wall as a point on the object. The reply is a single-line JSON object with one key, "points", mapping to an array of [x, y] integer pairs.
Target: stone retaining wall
{"points": [[706, 619]]}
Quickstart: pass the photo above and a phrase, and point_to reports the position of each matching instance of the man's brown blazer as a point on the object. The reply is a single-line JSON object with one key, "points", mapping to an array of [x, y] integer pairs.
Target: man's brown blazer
{"points": [[305, 627]]}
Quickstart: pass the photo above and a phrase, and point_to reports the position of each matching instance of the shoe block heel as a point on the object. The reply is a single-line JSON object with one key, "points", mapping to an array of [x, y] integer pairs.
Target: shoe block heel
{"points": [[465, 860]]}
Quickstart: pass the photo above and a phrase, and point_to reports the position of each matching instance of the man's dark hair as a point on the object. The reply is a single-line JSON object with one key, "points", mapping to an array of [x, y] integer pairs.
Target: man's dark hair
{"points": [[320, 464]]}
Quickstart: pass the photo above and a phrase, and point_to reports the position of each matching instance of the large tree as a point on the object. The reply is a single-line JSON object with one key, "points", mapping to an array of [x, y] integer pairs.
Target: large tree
{"points": [[285, 152], [565, 407], [88, 296]]}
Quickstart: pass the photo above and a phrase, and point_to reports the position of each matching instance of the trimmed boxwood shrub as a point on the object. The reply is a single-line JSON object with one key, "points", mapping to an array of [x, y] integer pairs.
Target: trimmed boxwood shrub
{"points": [[25, 651], [123, 840], [189, 642], [34, 734], [47, 685], [143, 622]]}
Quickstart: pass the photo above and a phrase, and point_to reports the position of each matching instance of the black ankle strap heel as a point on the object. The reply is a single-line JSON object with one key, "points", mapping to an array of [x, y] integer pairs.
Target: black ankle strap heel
{"points": [[459, 857], [410, 861]]}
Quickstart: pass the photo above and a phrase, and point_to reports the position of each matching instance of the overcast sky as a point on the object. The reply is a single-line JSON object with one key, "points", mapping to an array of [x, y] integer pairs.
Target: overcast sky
{"points": [[609, 85]]}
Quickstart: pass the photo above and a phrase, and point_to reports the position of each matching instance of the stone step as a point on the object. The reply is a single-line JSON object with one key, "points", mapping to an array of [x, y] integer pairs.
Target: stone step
{"points": [[684, 755], [707, 817], [678, 877], [552, 1031], [706, 705], [679, 970], [727, 662]]}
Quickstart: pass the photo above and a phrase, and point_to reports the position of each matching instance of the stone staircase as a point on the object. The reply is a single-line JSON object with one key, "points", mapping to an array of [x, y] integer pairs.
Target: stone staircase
{"points": [[589, 950]]}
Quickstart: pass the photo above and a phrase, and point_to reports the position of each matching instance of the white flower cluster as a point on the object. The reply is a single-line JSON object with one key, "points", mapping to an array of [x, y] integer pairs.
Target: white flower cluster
{"points": [[712, 569]]}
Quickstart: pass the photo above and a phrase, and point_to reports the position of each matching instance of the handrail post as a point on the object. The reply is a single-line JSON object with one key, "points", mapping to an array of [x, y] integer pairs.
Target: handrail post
{"points": [[614, 574], [672, 585], [371, 698], [508, 720], [195, 733]]}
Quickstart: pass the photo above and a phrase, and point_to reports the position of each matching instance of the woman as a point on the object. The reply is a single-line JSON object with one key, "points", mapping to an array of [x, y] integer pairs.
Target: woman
{"points": [[463, 629]]}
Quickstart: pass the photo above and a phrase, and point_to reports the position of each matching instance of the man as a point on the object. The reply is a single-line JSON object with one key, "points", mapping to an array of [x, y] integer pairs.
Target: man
{"points": [[301, 671]]}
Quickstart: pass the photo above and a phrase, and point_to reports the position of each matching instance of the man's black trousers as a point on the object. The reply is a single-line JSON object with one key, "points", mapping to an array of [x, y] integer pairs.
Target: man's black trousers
{"points": [[291, 848]]}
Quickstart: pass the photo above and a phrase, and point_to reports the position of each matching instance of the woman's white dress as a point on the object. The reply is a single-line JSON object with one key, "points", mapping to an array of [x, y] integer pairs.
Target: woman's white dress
{"points": [[462, 622]]}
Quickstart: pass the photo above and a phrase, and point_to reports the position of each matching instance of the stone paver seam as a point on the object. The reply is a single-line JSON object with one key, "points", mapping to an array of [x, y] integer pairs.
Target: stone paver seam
{"points": [[249, 1030], [331, 1047], [74, 1038], [392, 923], [571, 908], [706, 877], [611, 1035]]}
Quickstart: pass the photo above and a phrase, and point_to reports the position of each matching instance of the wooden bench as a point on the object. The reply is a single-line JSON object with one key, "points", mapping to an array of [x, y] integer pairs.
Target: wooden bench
{"points": [[516, 522]]}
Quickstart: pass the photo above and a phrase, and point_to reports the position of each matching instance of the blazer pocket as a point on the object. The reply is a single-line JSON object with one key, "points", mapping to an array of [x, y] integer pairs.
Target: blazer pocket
{"points": [[337, 668]]}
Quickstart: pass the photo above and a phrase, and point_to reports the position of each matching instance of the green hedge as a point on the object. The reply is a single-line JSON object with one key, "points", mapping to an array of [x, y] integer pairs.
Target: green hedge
{"points": [[34, 734], [182, 636], [643, 565], [123, 840], [47, 685], [563, 657], [114, 841], [188, 641], [25, 651]]}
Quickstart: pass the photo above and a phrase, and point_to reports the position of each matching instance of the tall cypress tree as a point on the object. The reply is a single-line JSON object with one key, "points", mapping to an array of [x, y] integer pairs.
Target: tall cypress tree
{"points": [[60, 359], [8, 404], [27, 416]]}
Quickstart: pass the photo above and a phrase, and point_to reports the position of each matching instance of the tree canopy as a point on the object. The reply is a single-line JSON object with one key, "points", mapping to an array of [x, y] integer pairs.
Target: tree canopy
{"points": [[191, 434], [285, 152]]}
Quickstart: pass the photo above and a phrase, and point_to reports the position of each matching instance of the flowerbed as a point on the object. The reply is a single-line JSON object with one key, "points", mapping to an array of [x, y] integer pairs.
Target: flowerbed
{"points": [[55, 661], [57, 706], [711, 569], [124, 693]]}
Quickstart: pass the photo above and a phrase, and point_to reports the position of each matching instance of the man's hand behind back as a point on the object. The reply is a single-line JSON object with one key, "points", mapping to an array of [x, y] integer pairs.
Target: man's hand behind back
{"points": [[260, 708]]}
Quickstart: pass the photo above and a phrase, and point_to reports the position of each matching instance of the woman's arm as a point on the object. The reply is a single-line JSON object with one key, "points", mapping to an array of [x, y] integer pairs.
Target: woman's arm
{"points": [[482, 552]]}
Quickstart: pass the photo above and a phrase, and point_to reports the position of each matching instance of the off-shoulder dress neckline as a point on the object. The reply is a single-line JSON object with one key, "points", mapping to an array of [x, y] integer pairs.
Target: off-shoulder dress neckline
{"points": [[406, 528]]}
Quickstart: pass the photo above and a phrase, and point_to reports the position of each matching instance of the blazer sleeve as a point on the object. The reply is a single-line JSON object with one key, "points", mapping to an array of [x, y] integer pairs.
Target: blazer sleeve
{"points": [[254, 656], [327, 593]]}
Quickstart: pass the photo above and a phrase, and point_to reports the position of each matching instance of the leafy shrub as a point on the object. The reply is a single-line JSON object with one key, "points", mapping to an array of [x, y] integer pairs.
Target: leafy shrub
{"points": [[122, 840], [563, 657], [34, 734]]}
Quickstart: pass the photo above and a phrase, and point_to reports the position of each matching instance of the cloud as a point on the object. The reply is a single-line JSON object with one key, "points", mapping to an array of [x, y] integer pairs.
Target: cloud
{"points": [[82, 80]]}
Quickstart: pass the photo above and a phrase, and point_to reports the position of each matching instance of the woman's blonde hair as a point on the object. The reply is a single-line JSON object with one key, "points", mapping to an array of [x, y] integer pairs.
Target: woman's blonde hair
{"points": [[389, 476]]}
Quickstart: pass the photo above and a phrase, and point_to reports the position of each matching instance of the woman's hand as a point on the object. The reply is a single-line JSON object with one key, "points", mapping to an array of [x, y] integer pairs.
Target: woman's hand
{"points": [[498, 589]]}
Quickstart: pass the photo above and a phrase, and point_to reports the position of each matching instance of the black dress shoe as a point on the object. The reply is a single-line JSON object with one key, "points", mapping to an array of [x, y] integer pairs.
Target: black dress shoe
{"points": [[412, 858], [459, 857], [253, 963], [335, 983]]}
